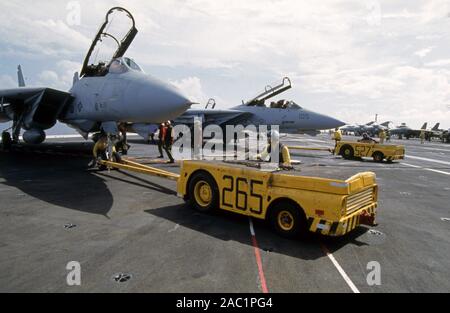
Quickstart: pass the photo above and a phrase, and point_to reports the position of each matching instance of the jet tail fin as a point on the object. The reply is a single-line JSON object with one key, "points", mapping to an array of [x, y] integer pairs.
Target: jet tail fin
{"points": [[436, 127], [20, 78], [424, 126], [386, 124]]}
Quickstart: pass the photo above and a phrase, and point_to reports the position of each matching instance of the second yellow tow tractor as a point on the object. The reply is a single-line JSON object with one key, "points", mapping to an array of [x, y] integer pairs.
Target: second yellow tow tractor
{"points": [[379, 152]]}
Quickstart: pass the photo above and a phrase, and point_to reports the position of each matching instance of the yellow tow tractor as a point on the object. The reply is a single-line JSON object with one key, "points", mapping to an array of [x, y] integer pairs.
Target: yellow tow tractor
{"points": [[357, 150], [379, 152], [294, 202]]}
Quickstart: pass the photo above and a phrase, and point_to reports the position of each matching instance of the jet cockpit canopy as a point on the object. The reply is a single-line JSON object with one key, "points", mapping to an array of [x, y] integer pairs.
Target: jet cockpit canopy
{"points": [[111, 31], [293, 106], [123, 65], [285, 105], [269, 93]]}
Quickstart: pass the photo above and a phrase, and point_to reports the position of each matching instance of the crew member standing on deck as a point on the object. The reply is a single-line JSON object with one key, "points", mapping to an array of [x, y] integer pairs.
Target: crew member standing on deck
{"points": [[168, 141], [337, 137], [382, 135], [161, 135], [422, 137]]}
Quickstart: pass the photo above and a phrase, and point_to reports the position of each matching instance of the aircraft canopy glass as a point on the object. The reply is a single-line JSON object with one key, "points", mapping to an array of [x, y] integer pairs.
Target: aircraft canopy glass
{"points": [[133, 65], [293, 105], [123, 65], [283, 104]]}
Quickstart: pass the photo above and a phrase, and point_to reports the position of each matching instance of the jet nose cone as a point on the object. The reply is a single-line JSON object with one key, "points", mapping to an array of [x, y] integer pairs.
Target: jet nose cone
{"points": [[325, 122], [335, 123], [161, 101], [172, 99]]}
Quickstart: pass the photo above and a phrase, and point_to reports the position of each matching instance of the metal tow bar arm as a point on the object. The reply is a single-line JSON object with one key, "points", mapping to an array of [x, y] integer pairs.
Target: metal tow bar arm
{"points": [[140, 168]]}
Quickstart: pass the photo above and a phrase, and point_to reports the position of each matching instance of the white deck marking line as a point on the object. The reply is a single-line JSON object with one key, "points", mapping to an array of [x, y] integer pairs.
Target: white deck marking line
{"points": [[316, 145], [340, 269], [426, 169], [252, 229], [426, 159], [437, 149], [315, 140]]}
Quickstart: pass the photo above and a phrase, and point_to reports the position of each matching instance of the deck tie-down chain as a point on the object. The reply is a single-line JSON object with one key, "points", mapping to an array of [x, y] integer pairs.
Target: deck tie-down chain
{"points": [[122, 277], [375, 232]]}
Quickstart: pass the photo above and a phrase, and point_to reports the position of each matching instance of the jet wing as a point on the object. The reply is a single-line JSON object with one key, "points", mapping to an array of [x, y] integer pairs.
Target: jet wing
{"points": [[36, 107], [214, 117], [208, 117]]}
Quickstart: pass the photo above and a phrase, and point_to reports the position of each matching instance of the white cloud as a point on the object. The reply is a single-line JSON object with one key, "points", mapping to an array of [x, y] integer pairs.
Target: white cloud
{"points": [[423, 52], [439, 63], [48, 78], [7, 81], [192, 88]]}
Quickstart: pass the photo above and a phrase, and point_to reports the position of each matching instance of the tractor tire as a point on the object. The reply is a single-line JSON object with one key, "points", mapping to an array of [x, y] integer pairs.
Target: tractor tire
{"points": [[203, 192], [347, 152], [288, 220], [378, 157]]}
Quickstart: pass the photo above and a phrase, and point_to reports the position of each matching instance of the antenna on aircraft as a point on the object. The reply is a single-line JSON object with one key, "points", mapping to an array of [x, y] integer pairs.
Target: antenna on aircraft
{"points": [[20, 78]]}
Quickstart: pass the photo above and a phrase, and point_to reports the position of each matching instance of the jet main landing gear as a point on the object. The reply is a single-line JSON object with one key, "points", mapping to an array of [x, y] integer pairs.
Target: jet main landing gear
{"points": [[6, 140]]}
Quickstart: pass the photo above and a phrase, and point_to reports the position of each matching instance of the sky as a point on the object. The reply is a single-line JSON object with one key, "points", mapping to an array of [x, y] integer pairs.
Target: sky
{"points": [[348, 59]]}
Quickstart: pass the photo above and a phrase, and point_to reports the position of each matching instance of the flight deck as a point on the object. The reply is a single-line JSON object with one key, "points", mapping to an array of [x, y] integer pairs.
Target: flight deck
{"points": [[55, 210]]}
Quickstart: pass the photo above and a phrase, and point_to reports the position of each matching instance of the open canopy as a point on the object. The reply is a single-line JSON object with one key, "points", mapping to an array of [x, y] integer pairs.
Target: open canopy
{"points": [[269, 93], [91, 66]]}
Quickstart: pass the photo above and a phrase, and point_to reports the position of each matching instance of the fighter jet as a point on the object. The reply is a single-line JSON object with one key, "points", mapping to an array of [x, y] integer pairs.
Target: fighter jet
{"points": [[404, 131], [375, 128], [288, 115], [435, 132], [102, 96], [351, 128], [372, 128], [445, 137]]}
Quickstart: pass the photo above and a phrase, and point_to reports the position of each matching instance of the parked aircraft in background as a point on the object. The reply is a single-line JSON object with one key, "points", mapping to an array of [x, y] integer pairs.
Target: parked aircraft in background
{"points": [[435, 132], [106, 94], [403, 131], [372, 128], [445, 137], [288, 115]]}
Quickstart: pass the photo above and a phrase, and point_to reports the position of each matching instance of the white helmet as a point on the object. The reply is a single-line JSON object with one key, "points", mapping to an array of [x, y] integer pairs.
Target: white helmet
{"points": [[275, 136]]}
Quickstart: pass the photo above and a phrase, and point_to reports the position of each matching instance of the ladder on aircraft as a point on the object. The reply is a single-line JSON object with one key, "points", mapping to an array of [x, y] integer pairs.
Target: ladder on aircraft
{"points": [[270, 92]]}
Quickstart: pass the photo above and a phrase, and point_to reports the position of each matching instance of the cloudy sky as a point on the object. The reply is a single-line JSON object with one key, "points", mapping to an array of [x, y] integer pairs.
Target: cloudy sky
{"points": [[349, 59]]}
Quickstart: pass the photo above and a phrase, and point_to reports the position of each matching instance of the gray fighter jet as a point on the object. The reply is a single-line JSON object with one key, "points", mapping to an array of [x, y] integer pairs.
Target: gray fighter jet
{"points": [[435, 132], [403, 131], [289, 116], [102, 96], [372, 128]]}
